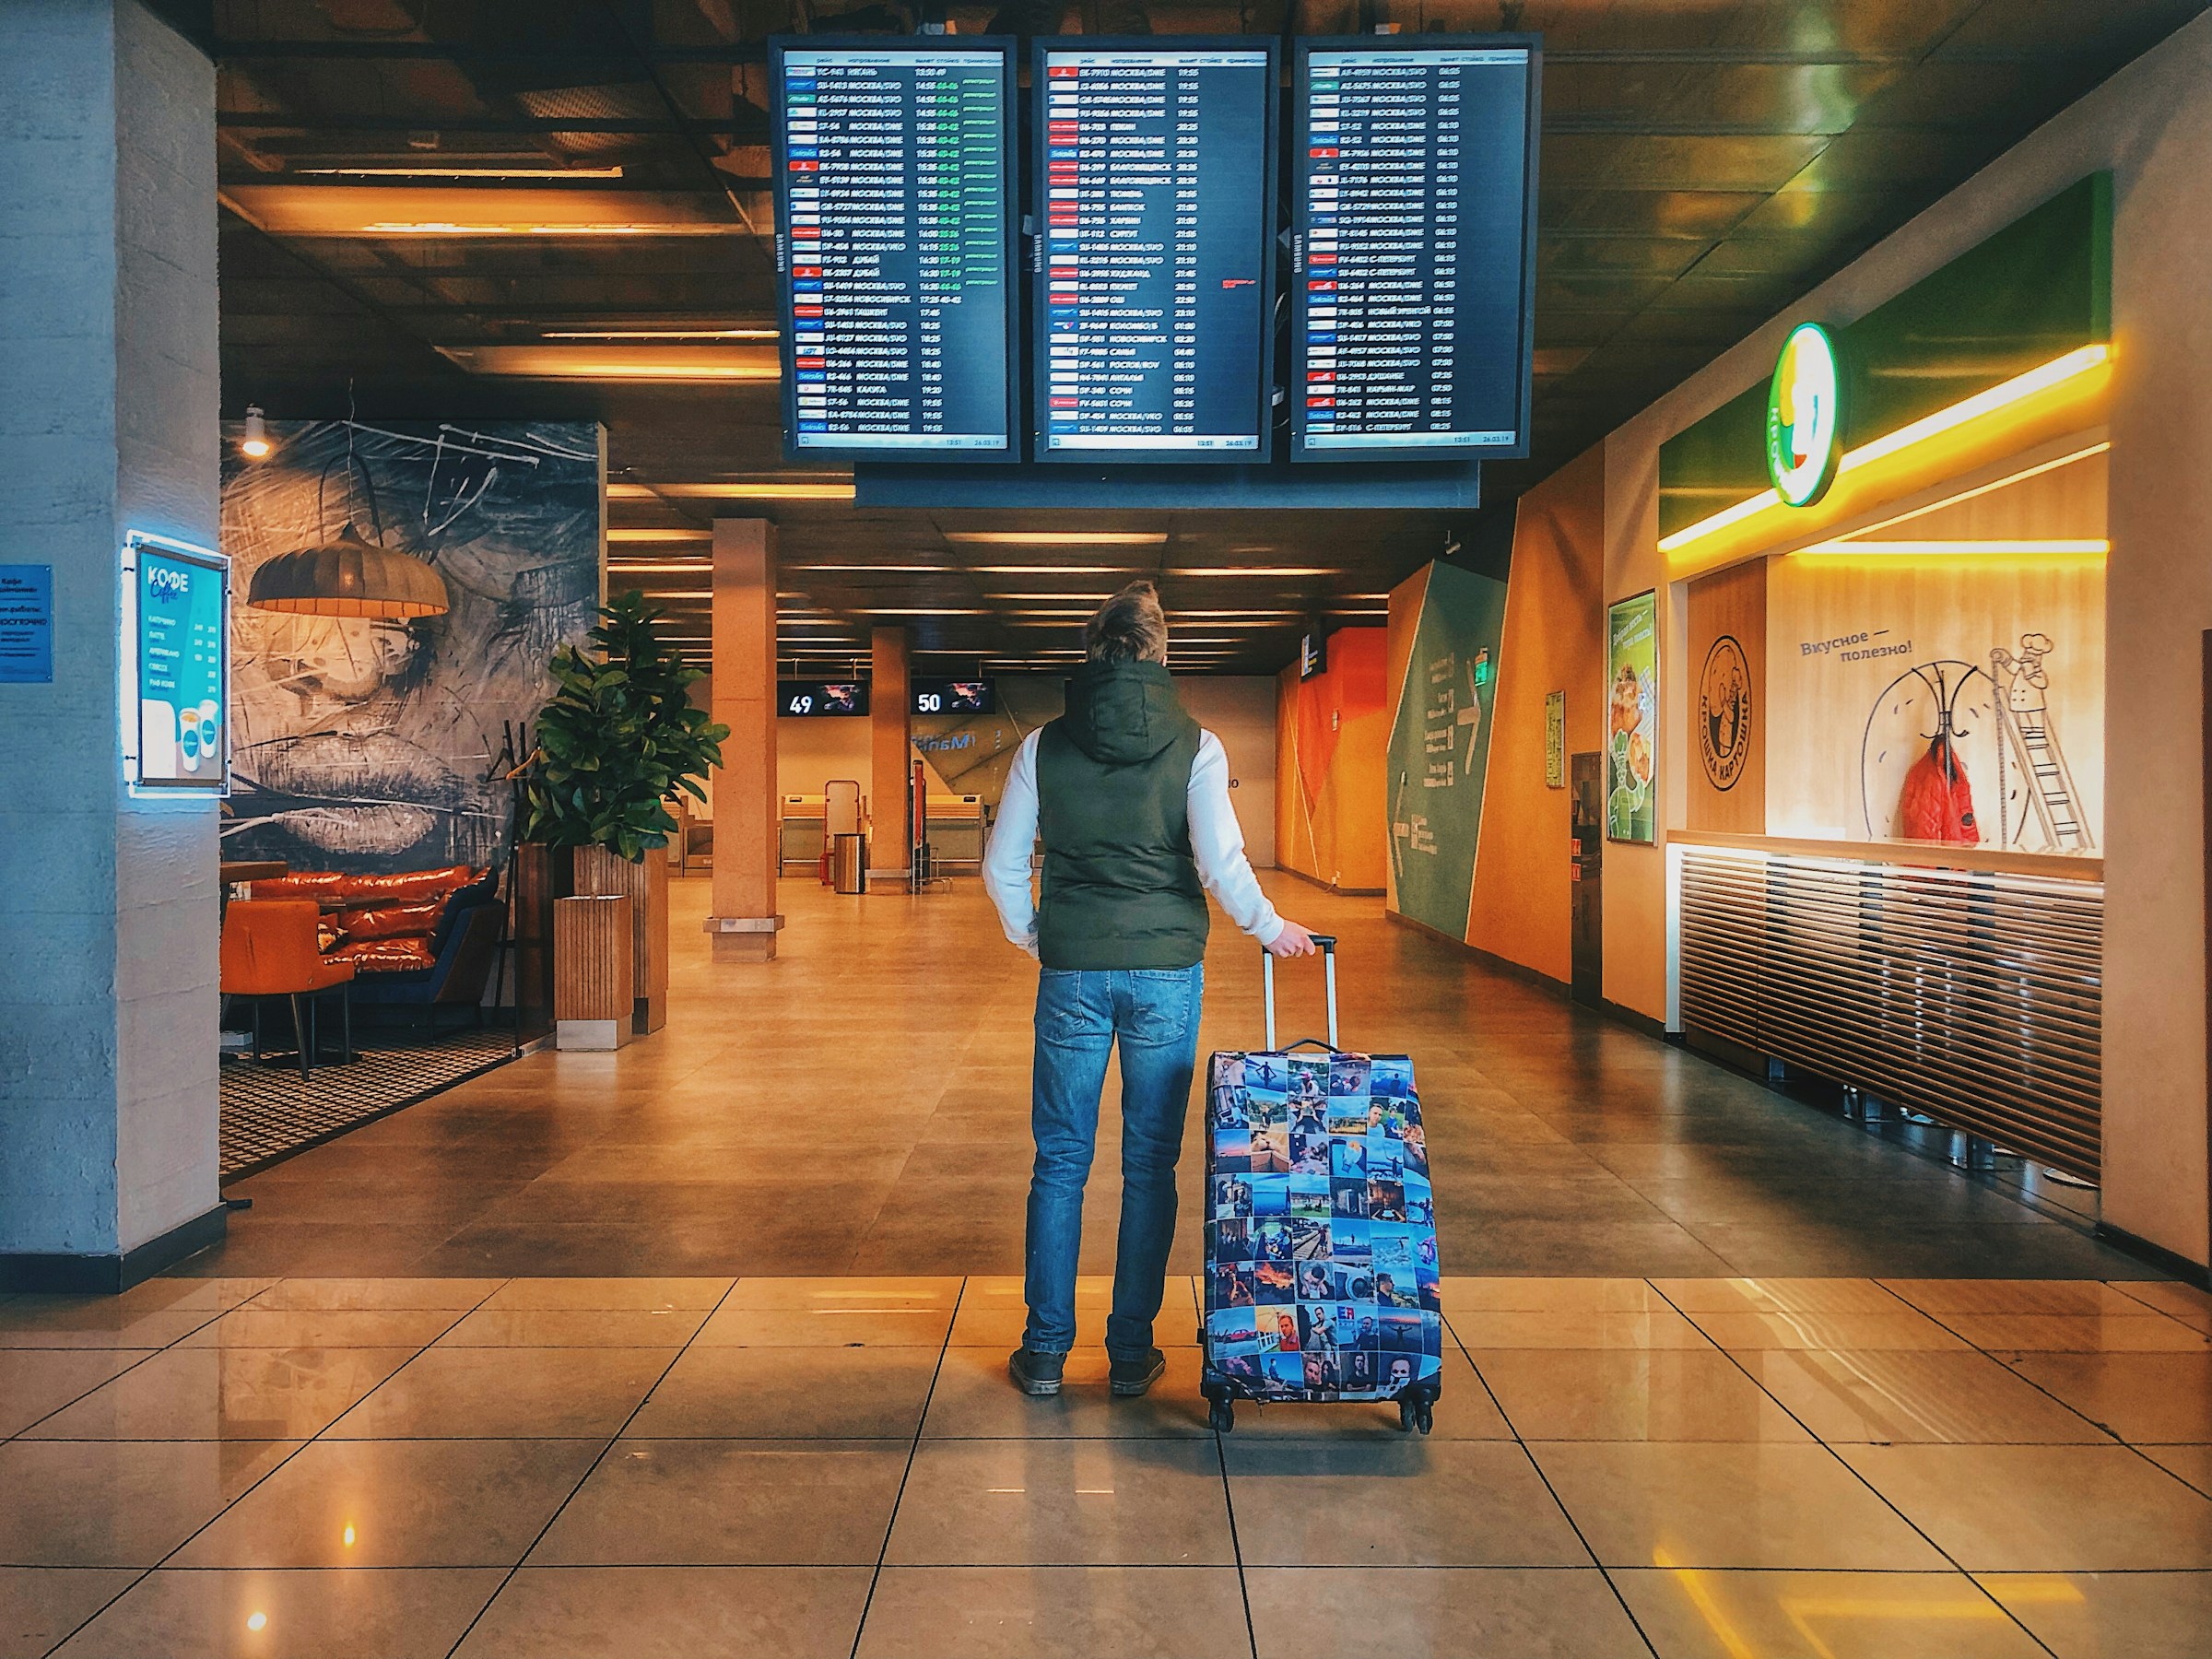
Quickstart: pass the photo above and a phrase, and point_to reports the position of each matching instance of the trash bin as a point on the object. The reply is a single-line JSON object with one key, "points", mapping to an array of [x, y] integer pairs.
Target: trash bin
{"points": [[849, 863]]}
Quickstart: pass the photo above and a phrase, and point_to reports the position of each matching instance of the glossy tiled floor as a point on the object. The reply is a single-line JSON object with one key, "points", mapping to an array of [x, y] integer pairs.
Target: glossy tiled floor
{"points": [[1939, 1425], [1824, 1469], [861, 1105]]}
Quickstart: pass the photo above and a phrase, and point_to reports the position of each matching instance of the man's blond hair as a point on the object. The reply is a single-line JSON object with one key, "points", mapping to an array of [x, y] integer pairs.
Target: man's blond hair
{"points": [[1129, 628]]}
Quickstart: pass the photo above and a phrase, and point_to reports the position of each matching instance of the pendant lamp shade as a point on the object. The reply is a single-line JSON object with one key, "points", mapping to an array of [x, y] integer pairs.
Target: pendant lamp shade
{"points": [[349, 576]]}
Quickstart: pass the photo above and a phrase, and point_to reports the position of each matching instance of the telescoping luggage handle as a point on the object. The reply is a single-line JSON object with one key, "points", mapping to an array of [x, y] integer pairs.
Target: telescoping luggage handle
{"points": [[1327, 941]]}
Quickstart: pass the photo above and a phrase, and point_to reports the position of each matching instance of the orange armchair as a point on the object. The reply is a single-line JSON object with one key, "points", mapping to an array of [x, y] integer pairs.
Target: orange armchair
{"points": [[269, 949]]}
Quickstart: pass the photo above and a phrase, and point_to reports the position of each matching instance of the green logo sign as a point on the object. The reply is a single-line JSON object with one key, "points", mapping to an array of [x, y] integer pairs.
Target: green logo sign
{"points": [[1804, 416]]}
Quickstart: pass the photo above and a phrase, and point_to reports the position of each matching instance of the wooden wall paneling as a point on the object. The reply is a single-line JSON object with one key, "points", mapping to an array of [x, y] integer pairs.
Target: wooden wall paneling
{"points": [[1725, 684], [1854, 650]]}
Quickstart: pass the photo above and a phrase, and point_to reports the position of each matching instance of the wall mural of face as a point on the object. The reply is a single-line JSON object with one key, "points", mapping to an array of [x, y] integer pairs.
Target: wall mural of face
{"points": [[367, 744]]}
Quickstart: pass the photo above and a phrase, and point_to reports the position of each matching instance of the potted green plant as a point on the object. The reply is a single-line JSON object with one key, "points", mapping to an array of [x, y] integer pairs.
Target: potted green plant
{"points": [[619, 739]]}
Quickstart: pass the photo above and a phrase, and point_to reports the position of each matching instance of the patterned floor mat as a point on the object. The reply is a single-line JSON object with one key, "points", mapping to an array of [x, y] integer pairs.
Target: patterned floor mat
{"points": [[270, 1112]]}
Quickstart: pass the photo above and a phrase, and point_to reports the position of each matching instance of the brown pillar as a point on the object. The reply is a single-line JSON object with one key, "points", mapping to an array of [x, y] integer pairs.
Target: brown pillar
{"points": [[745, 921], [891, 735]]}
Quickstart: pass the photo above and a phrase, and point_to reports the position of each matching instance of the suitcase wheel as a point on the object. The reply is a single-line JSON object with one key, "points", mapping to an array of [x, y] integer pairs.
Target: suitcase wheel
{"points": [[1222, 1414], [1415, 1414]]}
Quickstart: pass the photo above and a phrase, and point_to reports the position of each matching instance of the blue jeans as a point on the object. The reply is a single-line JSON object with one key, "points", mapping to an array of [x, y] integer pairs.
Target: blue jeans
{"points": [[1153, 1013]]}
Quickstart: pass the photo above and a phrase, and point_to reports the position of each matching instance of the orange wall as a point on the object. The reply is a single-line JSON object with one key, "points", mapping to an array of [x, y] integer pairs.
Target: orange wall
{"points": [[1332, 736], [1554, 641]]}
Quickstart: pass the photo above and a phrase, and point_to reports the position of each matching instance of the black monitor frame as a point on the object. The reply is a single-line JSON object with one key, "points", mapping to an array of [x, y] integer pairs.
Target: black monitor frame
{"points": [[1297, 114], [1262, 386], [1003, 48]]}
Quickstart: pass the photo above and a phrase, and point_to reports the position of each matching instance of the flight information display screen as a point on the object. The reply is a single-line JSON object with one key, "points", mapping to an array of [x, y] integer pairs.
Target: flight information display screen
{"points": [[894, 248], [955, 697], [1156, 188], [813, 700], [1412, 264]]}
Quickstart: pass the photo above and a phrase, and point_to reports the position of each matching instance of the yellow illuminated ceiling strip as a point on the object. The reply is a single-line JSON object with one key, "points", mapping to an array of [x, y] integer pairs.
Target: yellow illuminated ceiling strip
{"points": [[489, 170], [766, 490], [1966, 546], [1192, 573], [654, 536], [2055, 373], [1720, 521], [1044, 569], [658, 334], [1057, 538]]}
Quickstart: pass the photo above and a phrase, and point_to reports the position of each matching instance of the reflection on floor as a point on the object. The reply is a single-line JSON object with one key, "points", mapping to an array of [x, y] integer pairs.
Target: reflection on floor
{"points": [[270, 1111], [1718, 1468], [862, 1105]]}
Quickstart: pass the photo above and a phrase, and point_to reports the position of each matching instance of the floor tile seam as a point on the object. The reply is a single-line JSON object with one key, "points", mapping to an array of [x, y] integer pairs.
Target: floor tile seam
{"points": [[140, 1575], [2202, 1489], [24, 1432], [1879, 1496], [1498, 1405], [298, 1447], [2121, 1287], [592, 1468], [1235, 1544], [1994, 1355], [891, 1523], [399, 1370], [498, 1285]]}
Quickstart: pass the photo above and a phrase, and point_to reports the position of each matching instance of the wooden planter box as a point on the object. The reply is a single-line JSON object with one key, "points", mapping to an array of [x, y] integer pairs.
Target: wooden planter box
{"points": [[542, 875], [593, 989], [599, 871]]}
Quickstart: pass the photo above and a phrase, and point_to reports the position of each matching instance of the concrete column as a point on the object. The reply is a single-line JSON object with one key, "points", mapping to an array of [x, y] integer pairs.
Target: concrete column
{"points": [[891, 749], [745, 921], [108, 911]]}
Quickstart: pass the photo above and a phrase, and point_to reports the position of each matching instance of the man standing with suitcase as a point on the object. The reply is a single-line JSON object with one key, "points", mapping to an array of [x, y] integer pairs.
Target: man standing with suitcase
{"points": [[1130, 797]]}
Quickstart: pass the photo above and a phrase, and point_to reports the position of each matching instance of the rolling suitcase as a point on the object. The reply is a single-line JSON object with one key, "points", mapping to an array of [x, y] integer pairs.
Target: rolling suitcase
{"points": [[1321, 1269]]}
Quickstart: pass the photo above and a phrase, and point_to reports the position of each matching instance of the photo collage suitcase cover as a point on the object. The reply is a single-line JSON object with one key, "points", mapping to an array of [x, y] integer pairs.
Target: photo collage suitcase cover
{"points": [[1320, 1279]]}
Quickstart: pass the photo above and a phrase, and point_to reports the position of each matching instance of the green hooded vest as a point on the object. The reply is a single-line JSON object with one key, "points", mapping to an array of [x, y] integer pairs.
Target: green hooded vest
{"points": [[1113, 776]]}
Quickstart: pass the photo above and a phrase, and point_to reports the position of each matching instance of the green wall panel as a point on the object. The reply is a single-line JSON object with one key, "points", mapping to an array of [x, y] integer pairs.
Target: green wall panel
{"points": [[2036, 289], [1439, 746]]}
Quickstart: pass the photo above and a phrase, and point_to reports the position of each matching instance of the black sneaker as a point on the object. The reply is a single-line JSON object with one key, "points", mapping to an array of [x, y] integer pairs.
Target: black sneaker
{"points": [[1131, 1377], [1035, 1373]]}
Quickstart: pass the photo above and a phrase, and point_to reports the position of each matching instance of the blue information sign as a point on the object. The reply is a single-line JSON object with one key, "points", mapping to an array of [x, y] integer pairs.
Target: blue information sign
{"points": [[26, 625]]}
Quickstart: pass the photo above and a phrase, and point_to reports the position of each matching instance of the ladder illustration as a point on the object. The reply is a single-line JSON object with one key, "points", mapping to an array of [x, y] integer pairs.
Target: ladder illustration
{"points": [[2023, 716]]}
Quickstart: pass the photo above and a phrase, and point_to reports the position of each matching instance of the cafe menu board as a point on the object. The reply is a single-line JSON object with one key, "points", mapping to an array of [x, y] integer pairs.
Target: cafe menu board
{"points": [[1411, 263], [1155, 194], [894, 248], [180, 634]]}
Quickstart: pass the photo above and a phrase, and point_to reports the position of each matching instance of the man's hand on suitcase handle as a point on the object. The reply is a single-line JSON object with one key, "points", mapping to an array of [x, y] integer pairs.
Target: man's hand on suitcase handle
{"points": [[1292, 941]]}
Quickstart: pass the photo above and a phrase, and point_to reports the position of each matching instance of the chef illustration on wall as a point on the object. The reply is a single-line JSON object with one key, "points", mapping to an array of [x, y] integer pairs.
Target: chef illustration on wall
{"points": [[1943, 724]]}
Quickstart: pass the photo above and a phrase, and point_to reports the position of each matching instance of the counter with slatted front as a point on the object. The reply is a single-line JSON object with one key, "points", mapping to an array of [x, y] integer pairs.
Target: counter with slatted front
{"points": [[1962, 982]]}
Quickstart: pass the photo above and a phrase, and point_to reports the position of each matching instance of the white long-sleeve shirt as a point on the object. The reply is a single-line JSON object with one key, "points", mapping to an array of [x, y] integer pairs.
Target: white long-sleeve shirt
{"points": [[1216, 845]]}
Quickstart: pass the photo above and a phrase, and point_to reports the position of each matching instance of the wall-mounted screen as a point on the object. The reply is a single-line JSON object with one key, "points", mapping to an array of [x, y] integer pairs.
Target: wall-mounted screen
{"points": [[1413, 254], [806, 699], [955, 697], [177, 623], [894, 246], [1155, 187]]}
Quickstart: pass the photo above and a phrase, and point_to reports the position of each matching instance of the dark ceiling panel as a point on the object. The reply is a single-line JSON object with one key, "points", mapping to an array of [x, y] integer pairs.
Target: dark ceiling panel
{"points": [[1705, 162]]}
